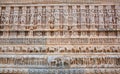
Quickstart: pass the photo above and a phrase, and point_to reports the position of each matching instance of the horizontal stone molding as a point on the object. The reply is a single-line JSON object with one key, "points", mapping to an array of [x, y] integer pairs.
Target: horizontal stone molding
{"points": [[60, 1], [58, 41], [57, 71]]}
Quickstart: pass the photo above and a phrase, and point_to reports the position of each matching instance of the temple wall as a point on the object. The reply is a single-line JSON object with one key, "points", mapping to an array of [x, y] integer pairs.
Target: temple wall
{"points": [[59, 37]]}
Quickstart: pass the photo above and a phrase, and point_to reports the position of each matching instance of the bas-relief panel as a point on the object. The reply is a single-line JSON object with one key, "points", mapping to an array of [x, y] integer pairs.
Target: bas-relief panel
{"points": [[59, 39]]}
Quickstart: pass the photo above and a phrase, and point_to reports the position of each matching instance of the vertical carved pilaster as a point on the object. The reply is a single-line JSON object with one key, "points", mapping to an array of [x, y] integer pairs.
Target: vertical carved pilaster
{"points": [[61, 19], [83, 16], [109, 16], [20, 11], [74, 15], [65, 24], [87, 18], [11, 15], [116, 18], [48, 17], [101, 19], [61, 15], [23, 17], [3, 18], [92, 17], [43, 18], [112, 15], [117, 14], [16, 15], [70, 15], [96, 17], [39, 15], [32, 15], [56, 15], [28, 15], [56, 18], [65, 11], [78, 13], [7, 14], [112, 22], [46, 20], [106, 17], [31, 19], [7, 20]]}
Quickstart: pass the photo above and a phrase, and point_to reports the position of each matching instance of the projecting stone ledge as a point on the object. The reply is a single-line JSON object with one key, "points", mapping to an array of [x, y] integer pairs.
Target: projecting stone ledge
{"points": [[61, 1], [59, 71]]}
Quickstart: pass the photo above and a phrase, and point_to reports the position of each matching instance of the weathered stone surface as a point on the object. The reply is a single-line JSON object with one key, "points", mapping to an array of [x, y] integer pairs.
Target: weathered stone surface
{"points": [[59, 36]]}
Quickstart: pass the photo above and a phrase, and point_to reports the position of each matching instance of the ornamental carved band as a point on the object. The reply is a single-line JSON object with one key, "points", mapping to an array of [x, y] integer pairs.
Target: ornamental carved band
{"points": [[59, 36]]}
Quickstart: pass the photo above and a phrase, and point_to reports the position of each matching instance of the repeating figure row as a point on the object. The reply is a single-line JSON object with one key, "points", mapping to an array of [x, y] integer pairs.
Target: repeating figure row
{"points": [[60, 61], [52, 14], [59, 49]]}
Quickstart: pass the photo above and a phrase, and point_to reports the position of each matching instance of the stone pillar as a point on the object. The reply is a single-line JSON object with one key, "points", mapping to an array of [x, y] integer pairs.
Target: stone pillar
{"points": [[56, 15], [117, 7], [74, 14], [65, 13], [3, 15], [7, 14], [101, 20], [5, 33], [43, 19], [16, 15], [23, 17], [48, 16], [31, 20], [39, 15], [20, 11], [78, 12], [32, 15], [92, 19], [83, 17], [109, 18]]}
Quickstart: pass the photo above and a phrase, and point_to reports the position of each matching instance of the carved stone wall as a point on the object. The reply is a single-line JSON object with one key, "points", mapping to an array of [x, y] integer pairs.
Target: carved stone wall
{"points": [[59, 37]]}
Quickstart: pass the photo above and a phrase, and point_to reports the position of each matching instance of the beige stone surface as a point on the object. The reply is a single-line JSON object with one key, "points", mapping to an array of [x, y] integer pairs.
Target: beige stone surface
{"points": [[59, 36]]}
